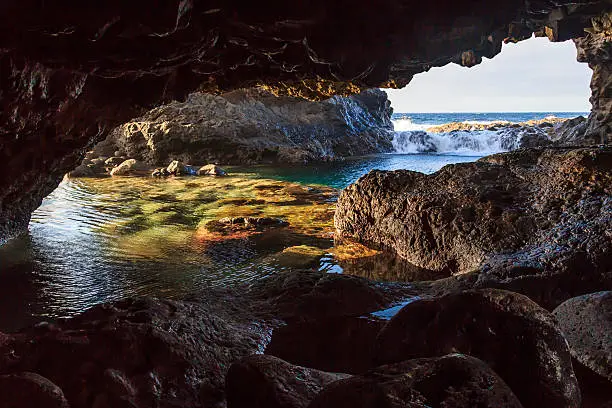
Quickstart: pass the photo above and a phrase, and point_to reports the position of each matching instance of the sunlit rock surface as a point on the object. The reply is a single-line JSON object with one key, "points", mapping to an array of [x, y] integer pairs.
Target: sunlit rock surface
{"points": [[71, 72], [253, 126], [538, 216]]}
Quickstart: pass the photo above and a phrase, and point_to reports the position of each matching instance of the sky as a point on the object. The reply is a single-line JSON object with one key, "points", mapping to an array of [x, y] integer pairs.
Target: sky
{"points": [[534, 75]]}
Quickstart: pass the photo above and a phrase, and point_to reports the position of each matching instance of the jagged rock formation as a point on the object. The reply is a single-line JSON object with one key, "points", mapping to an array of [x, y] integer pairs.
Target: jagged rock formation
{"points": [[70, 72], [596, 50], [253, 126], [536, 212]]}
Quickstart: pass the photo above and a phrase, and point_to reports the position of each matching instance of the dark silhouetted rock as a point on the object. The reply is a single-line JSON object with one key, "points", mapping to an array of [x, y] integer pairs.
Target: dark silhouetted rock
{"points": [[452, 381], [262, 381], [513, 335], [586, 323], [139, 353], [340, 344], [30, 390]]}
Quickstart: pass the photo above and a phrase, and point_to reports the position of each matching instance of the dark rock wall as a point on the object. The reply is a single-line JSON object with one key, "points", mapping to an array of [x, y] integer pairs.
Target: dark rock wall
{"points": [[596, 50], [70, 71]]}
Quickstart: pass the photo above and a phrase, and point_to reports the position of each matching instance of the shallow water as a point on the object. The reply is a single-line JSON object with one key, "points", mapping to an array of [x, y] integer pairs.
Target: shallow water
{"points": [[96, 240]]}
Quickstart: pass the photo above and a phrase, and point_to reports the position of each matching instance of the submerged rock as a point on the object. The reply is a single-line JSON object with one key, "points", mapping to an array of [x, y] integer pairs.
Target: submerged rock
{"points": [[452, 381], [233, 224], [513, 335], [262, 381], [586, 322]]}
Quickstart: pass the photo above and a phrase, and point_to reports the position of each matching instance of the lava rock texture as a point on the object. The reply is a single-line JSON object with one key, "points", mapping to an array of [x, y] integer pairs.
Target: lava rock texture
{"points": [[535, 221], [252, 126], [71, 71]]}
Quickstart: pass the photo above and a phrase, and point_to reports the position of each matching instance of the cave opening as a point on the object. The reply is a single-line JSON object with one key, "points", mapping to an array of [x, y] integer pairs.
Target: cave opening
{"points": [[235, 217]]}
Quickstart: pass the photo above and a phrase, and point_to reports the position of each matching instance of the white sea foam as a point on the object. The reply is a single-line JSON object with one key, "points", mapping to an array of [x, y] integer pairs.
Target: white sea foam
{"points": [[477, 142], [405, 123]]}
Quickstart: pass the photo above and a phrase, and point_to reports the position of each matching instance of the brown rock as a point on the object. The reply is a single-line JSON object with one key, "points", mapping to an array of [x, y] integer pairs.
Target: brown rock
{"points": [[452, 381], [262, 381], [30, 390], [339, 344], [211, 170], [586, 322], [533, 221], [513, 335], [128, 167]]}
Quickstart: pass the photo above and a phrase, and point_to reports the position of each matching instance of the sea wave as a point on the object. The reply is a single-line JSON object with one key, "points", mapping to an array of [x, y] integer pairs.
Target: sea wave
{"points": [[472, 143]]}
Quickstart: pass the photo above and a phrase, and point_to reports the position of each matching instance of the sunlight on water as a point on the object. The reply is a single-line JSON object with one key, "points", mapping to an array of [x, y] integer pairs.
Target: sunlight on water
{"points": [[96, 240]]}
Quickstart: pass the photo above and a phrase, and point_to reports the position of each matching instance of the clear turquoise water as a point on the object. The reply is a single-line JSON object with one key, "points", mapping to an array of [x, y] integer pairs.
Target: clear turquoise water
{"points": [[341, 174]]}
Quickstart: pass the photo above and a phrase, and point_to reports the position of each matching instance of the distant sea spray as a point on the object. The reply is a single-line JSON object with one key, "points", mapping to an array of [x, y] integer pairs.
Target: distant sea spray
{"points": [[411, 134]]}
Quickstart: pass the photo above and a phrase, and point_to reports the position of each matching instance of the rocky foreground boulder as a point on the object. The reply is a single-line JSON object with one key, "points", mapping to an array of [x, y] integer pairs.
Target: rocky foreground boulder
{"points": [[220, 348], [536, 221], [253, 126]]}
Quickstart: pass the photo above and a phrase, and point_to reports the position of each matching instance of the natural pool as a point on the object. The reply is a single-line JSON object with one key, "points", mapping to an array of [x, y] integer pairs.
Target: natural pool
{"points": [[96, 240]]}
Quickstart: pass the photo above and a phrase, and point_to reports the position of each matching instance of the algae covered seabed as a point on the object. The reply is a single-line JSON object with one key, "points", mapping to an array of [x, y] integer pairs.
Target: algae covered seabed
{"points": [[101, 239]]}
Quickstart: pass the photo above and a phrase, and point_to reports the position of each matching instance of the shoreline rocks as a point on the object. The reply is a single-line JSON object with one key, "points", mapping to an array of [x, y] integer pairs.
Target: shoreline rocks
{"points": [[206, 351], [534, 221], [253, 126]]}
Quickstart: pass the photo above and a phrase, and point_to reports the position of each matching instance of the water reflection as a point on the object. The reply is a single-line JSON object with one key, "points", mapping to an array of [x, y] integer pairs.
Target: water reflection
{"points": [[96, 240]]}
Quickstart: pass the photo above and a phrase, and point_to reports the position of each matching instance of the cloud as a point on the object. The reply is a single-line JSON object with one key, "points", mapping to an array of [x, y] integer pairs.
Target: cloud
{"points": [[532, 76]]}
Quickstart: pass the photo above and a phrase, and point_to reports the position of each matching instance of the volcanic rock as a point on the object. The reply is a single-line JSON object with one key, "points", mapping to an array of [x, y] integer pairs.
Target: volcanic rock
{"points": [[535, 221], [70, 74], [336, 344], [211, 170], [262, 381], [255, 126], [586, 322], [30, 390], [128, 167], [453, 381], [513, 335]]}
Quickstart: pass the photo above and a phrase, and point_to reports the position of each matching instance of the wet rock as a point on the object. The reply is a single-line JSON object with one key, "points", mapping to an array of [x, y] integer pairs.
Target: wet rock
{"points": [[570, 132], [211, 170], [453, 381], [128, 167], [85, 170], [534, 221], [414, 141], [262, 381], [178, 168], [301, 256], [513, 335], [160, 172], [311, 294], [586, 322], [30, 390], [339, 344]]}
